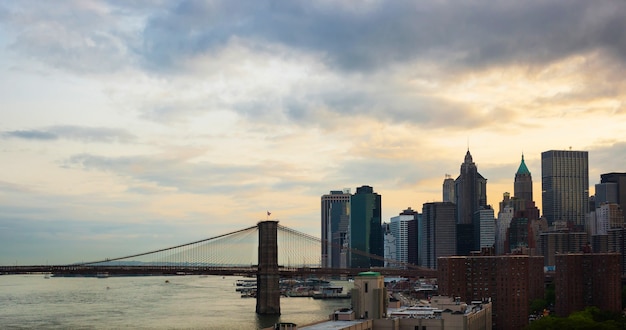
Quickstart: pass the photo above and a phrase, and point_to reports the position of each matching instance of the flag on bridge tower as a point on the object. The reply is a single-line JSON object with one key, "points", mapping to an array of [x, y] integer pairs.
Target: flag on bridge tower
{"points": [[268, 215]]}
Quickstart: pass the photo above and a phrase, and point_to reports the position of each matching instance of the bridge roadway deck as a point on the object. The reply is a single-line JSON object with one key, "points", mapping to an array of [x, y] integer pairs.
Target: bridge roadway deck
{"points": [[80, 270], [90, 270]]}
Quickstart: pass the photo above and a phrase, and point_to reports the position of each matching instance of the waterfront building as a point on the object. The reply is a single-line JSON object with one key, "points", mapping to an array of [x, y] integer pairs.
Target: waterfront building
{"points": [[404, 228], [335, 214], [565, 184], [439, 233], [587, 279], [369, 296], [365, 228], [470, 195], [512, 282]]}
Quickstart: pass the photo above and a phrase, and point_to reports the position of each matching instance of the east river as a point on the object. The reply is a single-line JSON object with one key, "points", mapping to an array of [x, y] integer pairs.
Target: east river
{"points": [[144, 302]]}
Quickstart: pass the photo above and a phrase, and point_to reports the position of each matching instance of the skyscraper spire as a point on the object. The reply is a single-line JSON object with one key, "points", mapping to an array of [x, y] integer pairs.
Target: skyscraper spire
{"points": [[522, 167], [523, 186]]}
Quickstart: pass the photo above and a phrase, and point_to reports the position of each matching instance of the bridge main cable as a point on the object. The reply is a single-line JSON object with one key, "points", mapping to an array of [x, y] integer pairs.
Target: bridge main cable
{"points": [[162, 250]]}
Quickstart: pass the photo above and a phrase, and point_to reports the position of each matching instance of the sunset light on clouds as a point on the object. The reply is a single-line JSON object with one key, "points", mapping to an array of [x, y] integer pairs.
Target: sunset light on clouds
{"points": [[129, 126]]}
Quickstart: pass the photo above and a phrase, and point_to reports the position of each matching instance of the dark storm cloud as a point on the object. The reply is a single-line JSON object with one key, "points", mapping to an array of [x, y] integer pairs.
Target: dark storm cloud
{"points": [[348, 36], [460, 33], [79, 133]]}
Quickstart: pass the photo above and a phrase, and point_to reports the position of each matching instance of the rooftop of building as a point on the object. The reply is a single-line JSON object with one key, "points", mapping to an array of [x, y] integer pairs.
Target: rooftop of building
{"points": [[332, 325], [522, 167], [369, 274], [432, 309]]}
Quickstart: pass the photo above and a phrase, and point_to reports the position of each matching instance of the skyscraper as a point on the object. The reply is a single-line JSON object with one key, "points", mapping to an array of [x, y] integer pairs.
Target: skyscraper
{"points": [[335, 220], [448, 189], [620, 180], [470, 193], [484, 229], [365, 228], [403, 228], [565, 184], [438, 233], [523, 185]]}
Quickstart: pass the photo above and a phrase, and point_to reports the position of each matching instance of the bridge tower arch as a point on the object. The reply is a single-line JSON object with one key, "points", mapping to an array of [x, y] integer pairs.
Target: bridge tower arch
{"points": [[268, 276]]}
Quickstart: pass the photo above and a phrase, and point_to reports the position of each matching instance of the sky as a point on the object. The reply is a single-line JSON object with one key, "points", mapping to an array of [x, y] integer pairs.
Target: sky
{"points": [[129, 126]]}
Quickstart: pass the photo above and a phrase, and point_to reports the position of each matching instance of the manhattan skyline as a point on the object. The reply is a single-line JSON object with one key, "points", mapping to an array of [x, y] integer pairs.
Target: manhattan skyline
{"points": [[133, 126]]}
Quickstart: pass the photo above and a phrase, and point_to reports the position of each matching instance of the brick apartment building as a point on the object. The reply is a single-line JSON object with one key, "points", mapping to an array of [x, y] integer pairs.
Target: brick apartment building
{"points": [[512, 282], [587, 279]]}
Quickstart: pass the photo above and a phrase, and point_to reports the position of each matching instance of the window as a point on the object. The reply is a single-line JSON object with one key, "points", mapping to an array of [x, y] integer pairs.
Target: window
{"points": [[366, 287]]}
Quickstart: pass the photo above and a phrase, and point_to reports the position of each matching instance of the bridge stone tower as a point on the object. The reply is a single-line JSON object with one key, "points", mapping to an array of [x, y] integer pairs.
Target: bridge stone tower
{"points": [[268, 276]]}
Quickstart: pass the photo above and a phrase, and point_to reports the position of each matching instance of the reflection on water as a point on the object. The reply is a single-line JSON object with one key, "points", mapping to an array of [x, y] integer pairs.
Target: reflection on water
{"points": [[189, 302]]}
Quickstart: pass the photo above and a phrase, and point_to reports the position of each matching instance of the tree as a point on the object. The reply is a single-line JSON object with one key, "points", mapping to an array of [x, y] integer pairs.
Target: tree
{"points": [[591, 318]]}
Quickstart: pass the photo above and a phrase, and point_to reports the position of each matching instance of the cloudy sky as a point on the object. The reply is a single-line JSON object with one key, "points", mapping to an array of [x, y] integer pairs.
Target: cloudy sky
{"points": [[128, 126]]}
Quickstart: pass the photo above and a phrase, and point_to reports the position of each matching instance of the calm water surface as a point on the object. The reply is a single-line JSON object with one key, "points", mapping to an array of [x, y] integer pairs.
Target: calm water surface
{"points": [[147, 302]]}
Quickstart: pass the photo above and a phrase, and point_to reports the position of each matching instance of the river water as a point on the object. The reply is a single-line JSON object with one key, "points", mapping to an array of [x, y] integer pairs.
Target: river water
{"points": [[144, 302]]}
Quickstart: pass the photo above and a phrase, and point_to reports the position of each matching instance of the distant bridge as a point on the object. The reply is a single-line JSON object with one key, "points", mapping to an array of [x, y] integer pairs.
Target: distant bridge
{"points": [[267, 251], [234, 253]]}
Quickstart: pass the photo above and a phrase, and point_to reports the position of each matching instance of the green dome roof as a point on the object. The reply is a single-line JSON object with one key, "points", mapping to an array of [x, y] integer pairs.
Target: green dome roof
{"points": [[369, 274], [522, 167]]}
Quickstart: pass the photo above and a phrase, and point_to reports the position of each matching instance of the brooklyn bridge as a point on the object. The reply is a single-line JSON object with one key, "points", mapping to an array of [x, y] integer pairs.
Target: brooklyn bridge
{"points": [[267, 251]]}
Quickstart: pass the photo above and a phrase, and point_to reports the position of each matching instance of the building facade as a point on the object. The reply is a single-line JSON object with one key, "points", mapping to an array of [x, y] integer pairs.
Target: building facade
{"points": [[369, 296], [470, 191], [617, 243], [587, 279], [512, 282], [552, 243], [470, 196], [404, 228], [366, 233], [618, 179], [523, 184], [565, 186], [335, 214], [484, 229], [448, 189], [439, 233], [505, 216]]}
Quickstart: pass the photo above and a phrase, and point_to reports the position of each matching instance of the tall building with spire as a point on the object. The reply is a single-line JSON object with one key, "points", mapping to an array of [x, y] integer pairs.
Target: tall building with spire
{"points": [[523, 185], [470, 193], [470, 189], [516, 232]]}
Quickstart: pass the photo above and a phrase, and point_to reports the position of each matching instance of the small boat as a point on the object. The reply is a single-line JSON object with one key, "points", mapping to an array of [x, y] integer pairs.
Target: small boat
{"points": [[102, 275], [331, 292]]}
